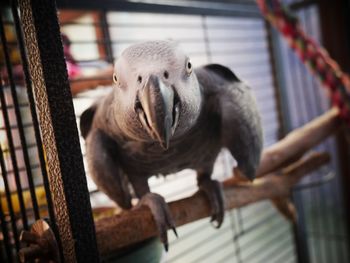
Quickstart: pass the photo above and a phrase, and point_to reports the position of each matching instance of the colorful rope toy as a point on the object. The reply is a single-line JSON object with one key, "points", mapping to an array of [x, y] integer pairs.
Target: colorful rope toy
{"points": [[315, 57]]}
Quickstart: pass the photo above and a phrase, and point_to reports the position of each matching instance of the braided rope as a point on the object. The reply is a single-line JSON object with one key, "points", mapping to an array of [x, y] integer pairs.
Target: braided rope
{"points": [[315, 57]]}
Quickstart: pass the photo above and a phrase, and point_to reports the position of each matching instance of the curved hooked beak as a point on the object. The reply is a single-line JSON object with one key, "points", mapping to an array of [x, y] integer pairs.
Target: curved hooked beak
{"points": [[158, 108]]}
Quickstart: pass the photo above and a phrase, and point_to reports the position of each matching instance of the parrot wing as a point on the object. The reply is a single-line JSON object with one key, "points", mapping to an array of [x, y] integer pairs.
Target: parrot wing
{"points": [[241, 130], [86, 119]]}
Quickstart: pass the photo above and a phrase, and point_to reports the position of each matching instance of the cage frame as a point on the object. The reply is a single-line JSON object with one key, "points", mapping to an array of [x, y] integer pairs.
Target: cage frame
{"points": [[66, 176]]}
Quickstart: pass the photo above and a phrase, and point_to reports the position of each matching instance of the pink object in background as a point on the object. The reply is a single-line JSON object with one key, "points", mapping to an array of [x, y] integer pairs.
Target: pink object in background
{"points": [[72, 66], [73, 69]]}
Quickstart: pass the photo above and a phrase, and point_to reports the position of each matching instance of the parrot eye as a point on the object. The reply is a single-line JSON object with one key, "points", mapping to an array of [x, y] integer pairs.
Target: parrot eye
{"points": [[115, 78], [139, 79], [188, 67], [166, 74]]}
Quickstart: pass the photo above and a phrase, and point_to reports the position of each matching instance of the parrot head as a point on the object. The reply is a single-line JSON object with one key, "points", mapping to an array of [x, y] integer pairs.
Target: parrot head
{"points": [[156, 95]]}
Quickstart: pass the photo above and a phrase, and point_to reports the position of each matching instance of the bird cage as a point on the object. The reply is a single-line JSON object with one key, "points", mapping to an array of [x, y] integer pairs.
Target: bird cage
{"points": [[44, 190]]}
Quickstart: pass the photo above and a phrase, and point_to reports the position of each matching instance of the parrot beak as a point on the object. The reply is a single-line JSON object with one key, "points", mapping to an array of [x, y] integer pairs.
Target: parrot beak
{"points": [[155, 107]]}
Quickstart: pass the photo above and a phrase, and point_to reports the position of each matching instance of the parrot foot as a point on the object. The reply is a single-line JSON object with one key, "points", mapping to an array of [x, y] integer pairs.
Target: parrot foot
{"points": [[161, 215], [213, 190]]}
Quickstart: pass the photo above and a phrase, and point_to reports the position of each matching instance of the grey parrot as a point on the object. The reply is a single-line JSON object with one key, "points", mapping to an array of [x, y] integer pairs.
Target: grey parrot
{"points": [[163, 116]]}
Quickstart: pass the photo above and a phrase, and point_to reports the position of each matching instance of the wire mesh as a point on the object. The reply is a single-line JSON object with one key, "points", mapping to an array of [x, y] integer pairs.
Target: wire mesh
{"points": [[23, 197]]}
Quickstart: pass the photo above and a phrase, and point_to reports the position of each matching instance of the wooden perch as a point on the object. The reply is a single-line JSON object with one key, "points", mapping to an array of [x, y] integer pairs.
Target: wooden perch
{"points": [[136, 225], [299, 141]]}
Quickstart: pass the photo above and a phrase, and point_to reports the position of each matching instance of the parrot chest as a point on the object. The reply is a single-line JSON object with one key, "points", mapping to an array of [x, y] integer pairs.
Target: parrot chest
{"points": [[197, 150]]}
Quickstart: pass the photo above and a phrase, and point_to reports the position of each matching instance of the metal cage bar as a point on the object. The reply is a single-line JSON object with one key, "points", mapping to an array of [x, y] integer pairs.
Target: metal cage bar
{"points": [[20, 125], [8, 131]]}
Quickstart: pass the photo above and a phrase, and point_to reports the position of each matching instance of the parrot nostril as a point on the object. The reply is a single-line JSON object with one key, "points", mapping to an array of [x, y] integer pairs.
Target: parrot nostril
{"points": [[166, 74], [139, 79]]}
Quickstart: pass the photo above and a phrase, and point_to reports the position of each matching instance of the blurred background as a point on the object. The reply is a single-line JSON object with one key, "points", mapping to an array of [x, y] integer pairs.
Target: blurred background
{"points": [[231, 33]]}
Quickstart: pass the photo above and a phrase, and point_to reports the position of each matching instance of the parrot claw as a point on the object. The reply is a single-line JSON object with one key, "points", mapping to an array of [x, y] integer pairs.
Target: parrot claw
{"points": [[213, 190], [175, 233], [161, 215]]}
